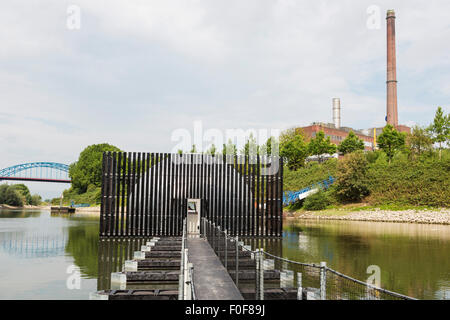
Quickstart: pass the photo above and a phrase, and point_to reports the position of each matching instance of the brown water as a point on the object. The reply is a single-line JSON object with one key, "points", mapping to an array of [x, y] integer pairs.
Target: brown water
{"points": [[414, 258], [37, 248]]}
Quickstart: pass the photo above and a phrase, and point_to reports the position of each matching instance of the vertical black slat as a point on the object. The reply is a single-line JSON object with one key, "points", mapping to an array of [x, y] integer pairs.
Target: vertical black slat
{"points": [[118, 184], [208, 186], [269, 197], [164, 201], [267, 177], [103, 202], [151, 219], [262, 193], [274, 195], [184, 190], [113, 194], [216, 191], [195, 177], [180, 194], [163, 183], [170, 196], [129, 181], [227, 191], [219, 192], [160, 193], [257, 196], [247, 196], [237, 193], [165, 188], [234, 181], [137, 204], [108, 194], [280, 192], [189, 170], [133, 196], [147, 194], [143, 194], [212, 186], [123, 173], [240, 195], [176, 186], [156, 194], [223, 192], [201, 188], [253, 189]]}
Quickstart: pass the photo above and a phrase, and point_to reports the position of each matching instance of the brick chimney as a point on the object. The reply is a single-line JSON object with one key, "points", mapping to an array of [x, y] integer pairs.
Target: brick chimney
{"points": [[391, 83]]}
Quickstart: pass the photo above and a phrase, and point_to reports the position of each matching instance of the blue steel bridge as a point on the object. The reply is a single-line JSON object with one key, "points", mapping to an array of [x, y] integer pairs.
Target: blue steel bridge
{"points": [[37, 171]]}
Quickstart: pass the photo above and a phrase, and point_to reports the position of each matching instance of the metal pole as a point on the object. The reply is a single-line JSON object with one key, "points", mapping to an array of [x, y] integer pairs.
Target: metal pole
{"points": [[256, 274], [323, 280], [299, 286]]}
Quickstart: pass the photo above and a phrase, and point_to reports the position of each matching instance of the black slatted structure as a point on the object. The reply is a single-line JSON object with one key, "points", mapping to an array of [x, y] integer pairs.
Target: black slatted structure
{"points": [[145, 194]]}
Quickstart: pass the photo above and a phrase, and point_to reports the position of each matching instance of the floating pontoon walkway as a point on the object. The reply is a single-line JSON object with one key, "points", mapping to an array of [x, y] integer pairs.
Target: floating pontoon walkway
{"points": [[211, 279]]}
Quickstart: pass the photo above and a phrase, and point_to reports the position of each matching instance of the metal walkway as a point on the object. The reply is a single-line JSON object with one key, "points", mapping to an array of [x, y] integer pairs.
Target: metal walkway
{"points": [[212, 281]]}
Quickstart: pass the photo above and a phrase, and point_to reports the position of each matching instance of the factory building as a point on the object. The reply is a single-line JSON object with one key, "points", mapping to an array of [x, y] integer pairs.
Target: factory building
{"points": [[337, 133]]}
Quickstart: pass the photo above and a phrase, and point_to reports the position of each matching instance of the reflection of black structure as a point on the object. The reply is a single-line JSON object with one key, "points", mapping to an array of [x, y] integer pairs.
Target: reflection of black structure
{"points": [[33, 245], [112, 254], [145, 194]]}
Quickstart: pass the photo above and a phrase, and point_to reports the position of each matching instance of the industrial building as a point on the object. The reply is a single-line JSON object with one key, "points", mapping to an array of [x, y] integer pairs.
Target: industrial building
{"points": [[337, 133]]}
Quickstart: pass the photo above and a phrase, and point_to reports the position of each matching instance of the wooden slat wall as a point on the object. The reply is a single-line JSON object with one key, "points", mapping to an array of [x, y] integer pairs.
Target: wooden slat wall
{"points": [[144, 194]]}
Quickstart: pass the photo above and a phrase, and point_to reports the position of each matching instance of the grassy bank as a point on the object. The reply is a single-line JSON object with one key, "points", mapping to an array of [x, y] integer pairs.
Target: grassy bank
{"points": [[369, 182]]}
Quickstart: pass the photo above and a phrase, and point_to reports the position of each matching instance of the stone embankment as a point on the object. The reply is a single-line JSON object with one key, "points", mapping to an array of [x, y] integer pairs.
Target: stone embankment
{"points": [[441, 216]]}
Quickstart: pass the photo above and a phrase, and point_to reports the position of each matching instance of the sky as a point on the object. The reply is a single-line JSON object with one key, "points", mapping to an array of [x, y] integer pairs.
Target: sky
{"points": [[131, 73]]}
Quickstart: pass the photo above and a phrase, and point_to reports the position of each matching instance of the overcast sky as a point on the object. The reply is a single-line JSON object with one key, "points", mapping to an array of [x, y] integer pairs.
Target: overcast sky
{"points": [[136, 70]]}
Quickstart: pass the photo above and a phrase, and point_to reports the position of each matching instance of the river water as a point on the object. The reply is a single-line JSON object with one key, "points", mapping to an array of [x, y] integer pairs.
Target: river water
{"points": [[40, 254]]}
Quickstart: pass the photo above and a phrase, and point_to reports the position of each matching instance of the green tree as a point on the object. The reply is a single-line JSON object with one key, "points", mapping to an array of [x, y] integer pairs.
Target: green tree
{"points": [[440, 129], [212, 150], [316, 201], [229, 148], [419, 141], [320, 146], [88, 169], [294, 148], [13, 197], [351, 144], [250, 147], [193, 149], [391, 141], [351, 177], [23, 191], [271, 147], [36, 200]]}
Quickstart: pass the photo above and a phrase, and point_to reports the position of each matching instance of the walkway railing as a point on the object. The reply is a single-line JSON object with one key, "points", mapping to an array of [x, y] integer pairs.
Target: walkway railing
{"points": [[261, 275], [186, 288]]}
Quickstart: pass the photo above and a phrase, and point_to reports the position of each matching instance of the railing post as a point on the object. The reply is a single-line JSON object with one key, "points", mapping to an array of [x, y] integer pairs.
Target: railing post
{"points": [[299, 286], [186, 276], [323, 280], [236, 276]]}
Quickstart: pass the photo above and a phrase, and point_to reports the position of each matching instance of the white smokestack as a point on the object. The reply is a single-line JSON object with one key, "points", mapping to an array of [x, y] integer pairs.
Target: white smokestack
{"points": [[337, 112]]}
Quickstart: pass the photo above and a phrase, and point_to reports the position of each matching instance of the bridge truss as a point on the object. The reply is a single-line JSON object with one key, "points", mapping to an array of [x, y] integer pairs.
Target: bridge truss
{"points": [[37, 171]]}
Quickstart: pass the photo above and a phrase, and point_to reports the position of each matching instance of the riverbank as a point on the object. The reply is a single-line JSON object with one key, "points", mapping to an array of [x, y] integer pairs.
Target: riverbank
{"points": [[29, 207], [429, 216]]}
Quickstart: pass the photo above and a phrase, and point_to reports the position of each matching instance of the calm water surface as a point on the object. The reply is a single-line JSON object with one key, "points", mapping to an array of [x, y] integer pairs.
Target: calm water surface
{"points": [[38, 249]]}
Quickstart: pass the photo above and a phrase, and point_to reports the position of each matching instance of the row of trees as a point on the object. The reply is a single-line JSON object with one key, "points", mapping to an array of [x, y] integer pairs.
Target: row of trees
{"points": [[18, 195]]}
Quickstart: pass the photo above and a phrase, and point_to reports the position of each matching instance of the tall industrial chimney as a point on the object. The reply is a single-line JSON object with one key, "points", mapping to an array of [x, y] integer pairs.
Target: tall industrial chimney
{"points": [[337, 112], [391, 83]]}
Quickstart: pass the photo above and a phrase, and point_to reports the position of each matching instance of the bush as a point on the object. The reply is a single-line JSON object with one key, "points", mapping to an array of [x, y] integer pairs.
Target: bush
{"points": [[316, 201], [351, 177], [313, 172]]}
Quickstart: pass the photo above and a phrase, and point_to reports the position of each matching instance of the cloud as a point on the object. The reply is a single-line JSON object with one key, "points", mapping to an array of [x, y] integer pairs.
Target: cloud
{"points": [[137, 70]]}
